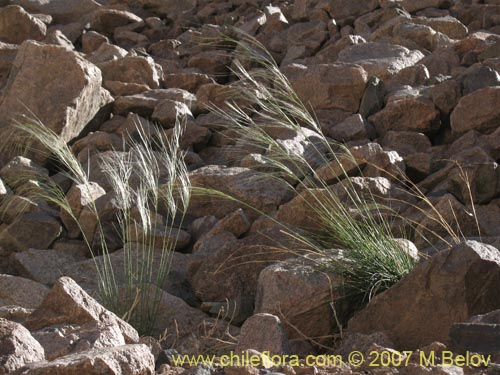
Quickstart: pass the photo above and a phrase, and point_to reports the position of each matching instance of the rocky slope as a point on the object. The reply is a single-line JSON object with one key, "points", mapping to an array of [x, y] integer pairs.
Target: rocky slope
{"points": [[412, 84]]}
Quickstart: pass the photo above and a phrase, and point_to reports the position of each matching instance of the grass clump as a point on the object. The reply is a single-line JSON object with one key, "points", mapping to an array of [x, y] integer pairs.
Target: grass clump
{"points": [[370, 260], [150, 190]]}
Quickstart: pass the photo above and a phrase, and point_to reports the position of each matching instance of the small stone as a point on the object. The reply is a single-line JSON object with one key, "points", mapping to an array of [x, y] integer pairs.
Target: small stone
{"points": [[263, 332]]}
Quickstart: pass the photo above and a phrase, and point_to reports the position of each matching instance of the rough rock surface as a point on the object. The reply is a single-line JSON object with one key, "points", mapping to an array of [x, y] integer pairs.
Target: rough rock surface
{"points": [[452, 286], [71, 86], [17, 347]]}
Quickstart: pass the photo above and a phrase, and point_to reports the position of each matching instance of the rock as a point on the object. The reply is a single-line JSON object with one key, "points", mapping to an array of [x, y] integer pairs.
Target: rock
{"points": [[64, 339], [167, 112], [214, 63], [18, 236], [17, 347], [236, 223], [329, 86], [345, 9], [20, 169], [121, 360], [407, 113], [79, 197], [380, 59], [480, 334], [362, 343], [414, 5], [231, 271], [477, 111], [132, 69], [353, 128], [447, 25], [62, 11], [301, 295], [478, 77], [405, 143], [14, 313], [190, 81], [446, 95], [106, 52], [21, 292], [240, 183], [373, 97], [16, 25], [263, 332], [107, 20], [92, 40], [43, 266], [67, 303], [422, 307], [71, 86], [421, 35]]}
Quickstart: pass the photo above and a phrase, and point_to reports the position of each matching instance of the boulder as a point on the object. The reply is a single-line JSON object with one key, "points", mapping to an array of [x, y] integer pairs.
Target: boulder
{"points": [[121, 360], [132, 69], [71, 86], [68, 303], [477, 111], [230, 272], [18, 236], [263, 332], [79, 197], [62, 11], [17, 347], [344, 9], [21, 292], [301, 295], [242, 184], [450, 287], [107, 20], [380, 59], [43, 266], [407, 113], [16, 25], [480, 334], [328, 86], [64, 339]]}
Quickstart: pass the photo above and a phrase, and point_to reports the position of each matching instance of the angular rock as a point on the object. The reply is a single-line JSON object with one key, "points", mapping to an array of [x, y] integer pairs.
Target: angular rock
{"points": [[405, 143], [167, 112], [446, 95], [132, 69], [20, 169], [43, 266], [329, 86], [353, 128], [106, 52], [231, 271], [62, 11], [17, 347], [380, 59], [478, 77], [414, 5], [17, 291], [480, 334], [18, 236], [477, 111], [92, 40], [344, 9], [16, 25], [64, 339], [68, 303], [301, 295], [78, 197], [241, 183], [190, 81], [447, 25], [263, 332], [107, 20], [71, 86], [407, 113], [121, 360], [452, 286]]}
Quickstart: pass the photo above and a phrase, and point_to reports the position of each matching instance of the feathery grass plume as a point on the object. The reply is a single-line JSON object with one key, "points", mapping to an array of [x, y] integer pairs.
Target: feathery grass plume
{"points": [[150, 187], [370, 260]]}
